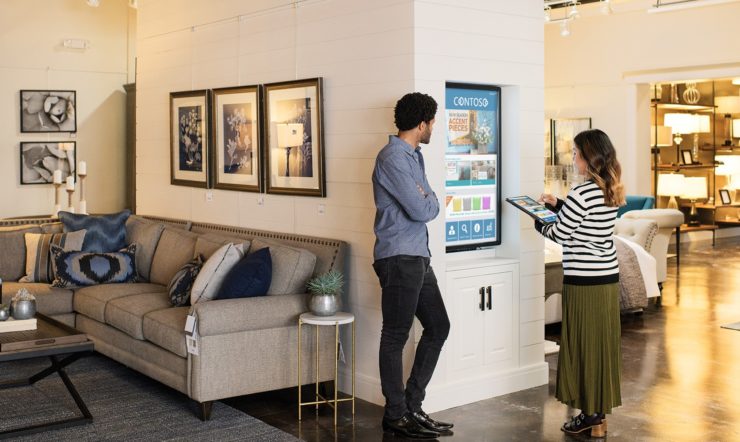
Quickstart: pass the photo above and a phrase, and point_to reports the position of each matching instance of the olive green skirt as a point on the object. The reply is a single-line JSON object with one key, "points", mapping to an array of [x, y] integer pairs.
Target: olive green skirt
{"points": [[590, 360]]}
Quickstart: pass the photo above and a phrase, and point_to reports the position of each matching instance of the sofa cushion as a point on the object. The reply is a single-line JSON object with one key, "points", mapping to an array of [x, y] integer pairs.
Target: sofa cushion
{"points": [[213, 272], [39, 262], [249, 277], [79, 269], [291, 267], [127, 313], [182, 283], [49, 300], [13, 246], [145, 234], [208, 243], [91, 301], [174, 249], [105, 233], [166, 328]]}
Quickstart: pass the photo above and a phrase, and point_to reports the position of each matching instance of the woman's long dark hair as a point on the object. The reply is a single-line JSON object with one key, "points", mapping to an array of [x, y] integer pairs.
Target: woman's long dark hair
{"points": [[603, 168]]}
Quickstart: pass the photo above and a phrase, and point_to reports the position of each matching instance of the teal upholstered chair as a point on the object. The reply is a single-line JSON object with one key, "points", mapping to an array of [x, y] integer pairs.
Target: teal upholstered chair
{"points": [[636, 202]]}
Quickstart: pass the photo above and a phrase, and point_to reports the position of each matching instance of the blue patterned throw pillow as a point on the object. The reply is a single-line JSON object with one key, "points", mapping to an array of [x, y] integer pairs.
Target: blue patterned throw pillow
{"points": [[79, 269], [182, 283], [105, 233]]}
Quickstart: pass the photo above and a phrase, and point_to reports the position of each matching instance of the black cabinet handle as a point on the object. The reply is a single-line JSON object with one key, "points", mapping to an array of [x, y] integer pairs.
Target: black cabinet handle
{"points": [[481, 305], [488, 290]]}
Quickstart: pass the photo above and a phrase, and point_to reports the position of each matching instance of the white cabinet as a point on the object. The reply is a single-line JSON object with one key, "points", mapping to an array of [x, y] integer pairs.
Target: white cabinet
{"points": [[481, 311]]}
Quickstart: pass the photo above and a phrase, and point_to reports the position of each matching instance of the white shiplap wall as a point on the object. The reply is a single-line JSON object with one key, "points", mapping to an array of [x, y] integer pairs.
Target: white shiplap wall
{"points": [[370, 54]]}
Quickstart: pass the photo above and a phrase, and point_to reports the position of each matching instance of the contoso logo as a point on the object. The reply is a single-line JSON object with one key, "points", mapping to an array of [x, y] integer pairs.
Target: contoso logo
{"points": [[470, 101]]}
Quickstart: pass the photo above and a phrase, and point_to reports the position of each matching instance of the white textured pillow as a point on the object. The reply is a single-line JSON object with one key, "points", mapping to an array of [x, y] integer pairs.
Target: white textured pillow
{"points": [[214, 271]]}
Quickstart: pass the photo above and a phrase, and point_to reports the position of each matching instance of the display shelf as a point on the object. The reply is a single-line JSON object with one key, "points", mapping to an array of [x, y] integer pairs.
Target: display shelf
{"points": [[686, 107]]}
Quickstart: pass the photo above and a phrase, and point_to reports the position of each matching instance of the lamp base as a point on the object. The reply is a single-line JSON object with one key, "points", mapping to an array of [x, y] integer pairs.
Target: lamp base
{"points": [[693, 215], [672, 204]]}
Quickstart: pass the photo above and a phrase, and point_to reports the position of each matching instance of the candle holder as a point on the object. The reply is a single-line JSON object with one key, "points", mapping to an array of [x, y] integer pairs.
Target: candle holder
{"points": [[57, 202], [83, 201], [70, 207]]}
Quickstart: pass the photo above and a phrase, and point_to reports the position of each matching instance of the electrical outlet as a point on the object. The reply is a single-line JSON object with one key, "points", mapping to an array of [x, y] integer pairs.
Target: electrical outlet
{"points": [[322, 209], [209, 196]]}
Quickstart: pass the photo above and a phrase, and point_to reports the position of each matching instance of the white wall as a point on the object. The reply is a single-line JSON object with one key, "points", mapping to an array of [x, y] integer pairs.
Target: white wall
{"points": [[600, 70], [33, 58], [370, 54]]}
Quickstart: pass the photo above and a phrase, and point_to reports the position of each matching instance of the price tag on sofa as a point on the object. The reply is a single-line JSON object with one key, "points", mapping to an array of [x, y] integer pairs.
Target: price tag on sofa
{"points": [[192, 343]]}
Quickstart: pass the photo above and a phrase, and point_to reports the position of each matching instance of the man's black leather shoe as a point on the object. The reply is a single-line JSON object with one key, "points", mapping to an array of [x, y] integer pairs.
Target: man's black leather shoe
{"points": [[427, 422], [407, 426]]}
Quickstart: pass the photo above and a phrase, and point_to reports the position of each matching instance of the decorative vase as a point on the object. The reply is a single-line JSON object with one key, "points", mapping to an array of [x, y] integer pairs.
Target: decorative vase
{"points": [[674, 93], [691, 95], [23, 309], [4, 312], [323, 305]]}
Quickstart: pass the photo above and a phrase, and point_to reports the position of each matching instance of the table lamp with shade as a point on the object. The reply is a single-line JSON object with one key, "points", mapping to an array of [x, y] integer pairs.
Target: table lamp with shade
{"points": [[694, 188], [728, 106], [680, 124], [289, 135], [670, 184]]}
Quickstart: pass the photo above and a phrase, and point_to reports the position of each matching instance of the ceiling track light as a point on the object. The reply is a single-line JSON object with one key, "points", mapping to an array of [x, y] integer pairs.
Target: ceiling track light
{"points": [[548, 11], [564, 28], [93, 3], [606, 7], [573, 13]]}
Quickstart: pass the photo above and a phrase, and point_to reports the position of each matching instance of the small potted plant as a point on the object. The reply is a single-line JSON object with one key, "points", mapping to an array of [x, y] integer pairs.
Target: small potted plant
{"points": [[325, 289]]}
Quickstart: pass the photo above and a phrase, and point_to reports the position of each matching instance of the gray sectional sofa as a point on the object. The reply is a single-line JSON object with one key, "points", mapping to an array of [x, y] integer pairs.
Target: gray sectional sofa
{"points": [[245, 345]]}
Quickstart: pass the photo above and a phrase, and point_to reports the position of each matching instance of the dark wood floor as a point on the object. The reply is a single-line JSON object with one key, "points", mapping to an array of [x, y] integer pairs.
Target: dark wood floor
{"points": [[680, 380]]}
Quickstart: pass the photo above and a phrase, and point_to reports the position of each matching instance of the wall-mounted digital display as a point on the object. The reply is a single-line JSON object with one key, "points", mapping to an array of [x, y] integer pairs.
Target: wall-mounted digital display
{"points": [[472, 160]]}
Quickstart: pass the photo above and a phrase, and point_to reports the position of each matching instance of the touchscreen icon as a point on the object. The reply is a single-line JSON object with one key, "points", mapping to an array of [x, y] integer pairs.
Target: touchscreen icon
{"points": [[464, 230]]}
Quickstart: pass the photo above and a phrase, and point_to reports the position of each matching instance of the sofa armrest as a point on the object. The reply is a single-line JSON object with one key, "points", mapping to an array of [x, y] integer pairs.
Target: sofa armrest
{"points": [[236, 315]]}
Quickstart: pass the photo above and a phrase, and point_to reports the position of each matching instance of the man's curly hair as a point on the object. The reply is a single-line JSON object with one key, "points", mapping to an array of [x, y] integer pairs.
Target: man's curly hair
{"points": [[414, 108]]}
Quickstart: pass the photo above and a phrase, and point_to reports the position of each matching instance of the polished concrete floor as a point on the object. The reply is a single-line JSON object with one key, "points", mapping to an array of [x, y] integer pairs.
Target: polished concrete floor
{"points": [[680, 380]]}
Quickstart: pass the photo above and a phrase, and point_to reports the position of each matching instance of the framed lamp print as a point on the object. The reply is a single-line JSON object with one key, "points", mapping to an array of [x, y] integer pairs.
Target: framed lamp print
{"points": [[189, 138], [237, 149], [294, 147]]}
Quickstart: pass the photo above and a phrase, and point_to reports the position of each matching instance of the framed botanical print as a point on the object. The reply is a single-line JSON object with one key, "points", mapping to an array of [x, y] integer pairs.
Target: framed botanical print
{"points": [[237, 148], [562, 132], [294, 144], [48, 111], [189, 138], [39, 161]]}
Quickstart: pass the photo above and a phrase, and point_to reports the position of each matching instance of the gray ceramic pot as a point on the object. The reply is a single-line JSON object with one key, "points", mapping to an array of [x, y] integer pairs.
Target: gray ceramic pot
{"points": [[23, 309], [323, 305], [4, 312]]}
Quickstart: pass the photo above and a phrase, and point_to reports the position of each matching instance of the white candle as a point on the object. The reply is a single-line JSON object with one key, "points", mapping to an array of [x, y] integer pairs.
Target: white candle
{"points": [[57, 176], [70, 183], [82, 168]]}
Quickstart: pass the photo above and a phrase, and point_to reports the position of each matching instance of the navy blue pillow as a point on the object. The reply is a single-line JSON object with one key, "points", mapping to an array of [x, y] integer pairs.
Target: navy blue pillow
{"points": [[106, 233], [249, 277], [80, 269]]}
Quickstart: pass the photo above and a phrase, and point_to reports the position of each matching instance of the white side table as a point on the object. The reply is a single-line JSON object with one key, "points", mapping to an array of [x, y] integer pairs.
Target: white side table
{"points": [[340, 318]]}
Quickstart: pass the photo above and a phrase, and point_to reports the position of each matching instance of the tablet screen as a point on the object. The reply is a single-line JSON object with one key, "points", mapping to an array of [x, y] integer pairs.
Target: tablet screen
{"points": [[533, 208]]}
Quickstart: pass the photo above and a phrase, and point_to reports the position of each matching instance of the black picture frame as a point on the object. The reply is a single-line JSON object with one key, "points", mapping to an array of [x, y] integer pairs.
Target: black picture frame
{"points": [[39, 160], [724, 196], [190, 138], [237, 153], [48, 111], [293, 110], [686, 158], [562, 132]]}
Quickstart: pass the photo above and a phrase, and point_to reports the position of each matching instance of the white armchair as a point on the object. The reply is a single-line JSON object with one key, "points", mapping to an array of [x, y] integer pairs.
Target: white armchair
{"points": [[667, 220]]}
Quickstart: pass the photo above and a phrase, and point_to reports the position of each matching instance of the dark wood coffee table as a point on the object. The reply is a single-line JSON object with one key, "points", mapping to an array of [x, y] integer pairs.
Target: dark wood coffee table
{"points": [[51, 339]]}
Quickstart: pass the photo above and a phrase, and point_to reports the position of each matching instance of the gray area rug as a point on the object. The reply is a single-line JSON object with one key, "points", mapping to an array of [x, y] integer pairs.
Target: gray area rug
{"points": [[126, 406], [733, 326]]}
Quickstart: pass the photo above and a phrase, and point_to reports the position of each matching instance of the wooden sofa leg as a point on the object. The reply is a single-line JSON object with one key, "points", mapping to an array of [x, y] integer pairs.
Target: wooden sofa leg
{"points": [[204, 410]]}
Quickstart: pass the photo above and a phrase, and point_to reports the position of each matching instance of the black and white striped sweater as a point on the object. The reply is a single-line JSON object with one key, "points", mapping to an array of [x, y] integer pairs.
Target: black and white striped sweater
{"points": [[584, 228]]}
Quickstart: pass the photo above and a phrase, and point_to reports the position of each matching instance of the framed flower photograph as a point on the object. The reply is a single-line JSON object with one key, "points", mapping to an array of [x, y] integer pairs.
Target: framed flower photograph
{"points": [[294, 151], [48, 111], [562, 132], [39, 161], [237, 148], [189, 138]]}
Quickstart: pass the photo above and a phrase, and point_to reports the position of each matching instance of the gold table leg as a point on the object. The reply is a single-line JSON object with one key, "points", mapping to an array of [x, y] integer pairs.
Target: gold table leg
{"points": [[336, 369], [317, 368], [299, 369]]}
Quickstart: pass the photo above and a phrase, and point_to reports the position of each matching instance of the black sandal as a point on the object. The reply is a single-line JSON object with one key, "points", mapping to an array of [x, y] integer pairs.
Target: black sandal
{"points": [[581, 423]]}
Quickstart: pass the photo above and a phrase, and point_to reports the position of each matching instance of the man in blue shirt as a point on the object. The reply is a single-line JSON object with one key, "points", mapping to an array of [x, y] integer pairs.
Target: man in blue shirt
{"points": [[404, 203]]}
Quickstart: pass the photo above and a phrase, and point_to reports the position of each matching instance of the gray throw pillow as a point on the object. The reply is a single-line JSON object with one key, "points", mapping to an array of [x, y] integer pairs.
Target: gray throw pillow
{"points": [[291, 267], [145, 234], [13, 251], [211, 276]]}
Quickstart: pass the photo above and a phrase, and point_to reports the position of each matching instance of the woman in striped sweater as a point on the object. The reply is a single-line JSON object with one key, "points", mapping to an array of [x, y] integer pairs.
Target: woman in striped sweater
{"points": [[590, 360]]}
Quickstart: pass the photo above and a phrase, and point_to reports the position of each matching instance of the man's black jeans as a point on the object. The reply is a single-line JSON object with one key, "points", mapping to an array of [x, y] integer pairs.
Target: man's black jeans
{"points": [[409, 289]]}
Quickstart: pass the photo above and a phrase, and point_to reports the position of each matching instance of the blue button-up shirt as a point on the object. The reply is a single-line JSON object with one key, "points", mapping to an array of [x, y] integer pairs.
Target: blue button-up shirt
{"points": [[404, 201]]}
